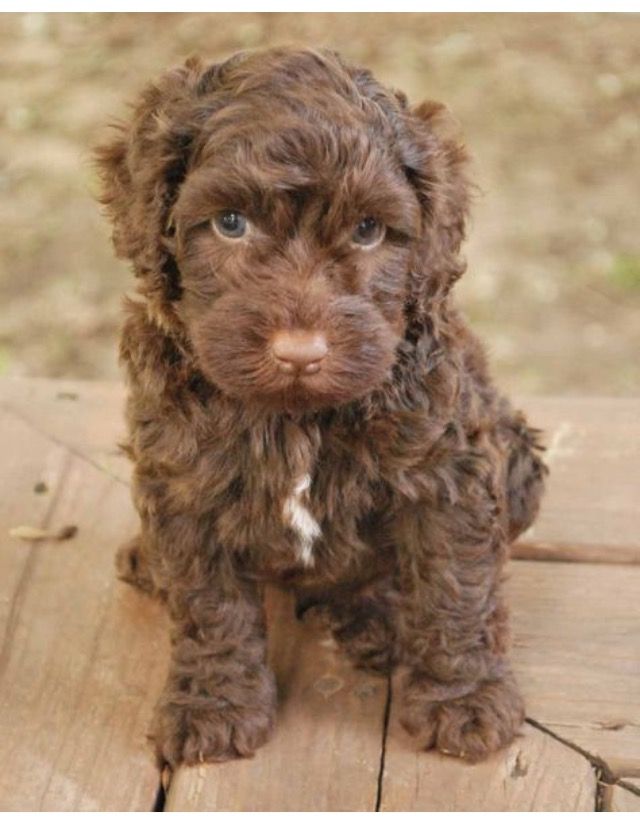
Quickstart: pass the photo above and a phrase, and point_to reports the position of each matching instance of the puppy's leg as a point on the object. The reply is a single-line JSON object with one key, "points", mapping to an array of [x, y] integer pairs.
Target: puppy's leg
{"points": [[364, 626], [458, 692], [525, 473], [220, 698]]}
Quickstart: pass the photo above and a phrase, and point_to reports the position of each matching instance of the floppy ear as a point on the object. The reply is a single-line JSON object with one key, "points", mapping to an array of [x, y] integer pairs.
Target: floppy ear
{"points": [[142, 168], [435, 163]]}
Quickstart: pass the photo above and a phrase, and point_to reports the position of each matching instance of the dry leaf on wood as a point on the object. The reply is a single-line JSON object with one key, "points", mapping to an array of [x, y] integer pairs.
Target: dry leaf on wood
{"points": [[33, 533]]}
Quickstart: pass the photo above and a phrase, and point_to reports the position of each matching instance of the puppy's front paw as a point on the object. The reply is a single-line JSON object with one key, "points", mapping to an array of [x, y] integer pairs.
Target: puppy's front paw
{"points": [[188, 730], [469, 726]]}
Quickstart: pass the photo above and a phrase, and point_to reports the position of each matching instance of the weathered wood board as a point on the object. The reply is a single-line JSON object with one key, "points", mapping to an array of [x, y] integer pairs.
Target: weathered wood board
{"points": [[83, 657], [576, 652], [536, 773], [619, 798], [85, 417], [591, 510], [27, 459]]}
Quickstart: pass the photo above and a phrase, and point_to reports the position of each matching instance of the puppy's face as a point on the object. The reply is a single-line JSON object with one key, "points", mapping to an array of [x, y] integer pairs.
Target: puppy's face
{"points": [[293, 250], [290, 218]]}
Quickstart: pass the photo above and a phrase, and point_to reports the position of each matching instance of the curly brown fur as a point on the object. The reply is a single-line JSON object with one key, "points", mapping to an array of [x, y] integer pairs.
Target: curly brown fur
{"points": [[386, 483]]}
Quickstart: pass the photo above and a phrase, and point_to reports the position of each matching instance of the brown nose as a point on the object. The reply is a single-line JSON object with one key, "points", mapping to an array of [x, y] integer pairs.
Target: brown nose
{"points": [[299, 350]]}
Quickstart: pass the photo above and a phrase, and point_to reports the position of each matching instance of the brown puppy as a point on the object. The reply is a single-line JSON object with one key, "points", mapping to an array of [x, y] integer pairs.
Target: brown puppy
{"points": [[305, 404]]}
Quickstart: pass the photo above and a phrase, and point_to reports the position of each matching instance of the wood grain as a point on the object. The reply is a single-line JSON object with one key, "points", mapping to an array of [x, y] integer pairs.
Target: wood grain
{"points": [[590, 511], [325, 754], [536, 773], [621, 798], [576, 652], [27, 460], [83, 657], [85, 417]]}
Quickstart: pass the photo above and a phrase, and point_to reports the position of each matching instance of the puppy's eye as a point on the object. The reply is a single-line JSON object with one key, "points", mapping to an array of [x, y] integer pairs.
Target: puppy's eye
{"points": [[368, 232], [230, 223]]}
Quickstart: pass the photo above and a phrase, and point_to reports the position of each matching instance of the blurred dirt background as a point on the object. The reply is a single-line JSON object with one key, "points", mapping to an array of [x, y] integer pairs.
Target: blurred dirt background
{"points": [[549, 104]]}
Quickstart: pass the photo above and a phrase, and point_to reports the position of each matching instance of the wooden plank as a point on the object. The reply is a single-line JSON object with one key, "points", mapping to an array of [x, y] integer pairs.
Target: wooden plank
{"points": [[621, 797], [568, 553], [325, 753], [576, 653], [32, 461], [84, 657], [86, 417], [536, 773], [590, 511]]}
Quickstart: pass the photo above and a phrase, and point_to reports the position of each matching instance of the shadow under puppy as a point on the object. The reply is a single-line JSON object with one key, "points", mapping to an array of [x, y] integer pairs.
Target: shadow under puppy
{"points": [[305, 404]]}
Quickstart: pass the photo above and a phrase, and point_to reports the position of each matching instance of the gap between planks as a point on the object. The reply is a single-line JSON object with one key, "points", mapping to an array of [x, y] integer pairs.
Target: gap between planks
{"points": [[621, 796]]}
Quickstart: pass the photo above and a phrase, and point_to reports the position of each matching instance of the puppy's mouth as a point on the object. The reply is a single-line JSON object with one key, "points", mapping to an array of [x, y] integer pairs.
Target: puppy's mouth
{"points": [[301, 393], [283, 367]]}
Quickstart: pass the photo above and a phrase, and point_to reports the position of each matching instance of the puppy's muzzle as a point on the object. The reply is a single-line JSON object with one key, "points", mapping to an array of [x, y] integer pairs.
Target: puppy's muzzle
{"points": [[299, 351]]}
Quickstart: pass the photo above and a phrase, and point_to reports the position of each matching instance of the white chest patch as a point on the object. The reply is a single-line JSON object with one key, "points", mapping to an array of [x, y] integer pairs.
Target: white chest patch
{"points": [[300, 519]]}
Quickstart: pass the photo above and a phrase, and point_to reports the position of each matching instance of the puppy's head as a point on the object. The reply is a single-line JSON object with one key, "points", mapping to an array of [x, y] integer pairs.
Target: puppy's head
{"points": [[291, 219]]}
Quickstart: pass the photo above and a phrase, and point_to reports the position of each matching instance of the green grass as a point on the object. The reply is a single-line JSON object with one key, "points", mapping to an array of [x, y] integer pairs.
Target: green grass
{"points": [[625, 272]]}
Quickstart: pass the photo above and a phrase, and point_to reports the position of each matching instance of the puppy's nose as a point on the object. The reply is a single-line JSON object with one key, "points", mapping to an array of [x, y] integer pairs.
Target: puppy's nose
{"points": [[299, 350]]}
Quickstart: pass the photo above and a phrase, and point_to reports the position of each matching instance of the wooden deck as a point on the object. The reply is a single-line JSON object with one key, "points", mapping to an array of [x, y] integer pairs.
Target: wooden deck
{"points": [[83, 656]]}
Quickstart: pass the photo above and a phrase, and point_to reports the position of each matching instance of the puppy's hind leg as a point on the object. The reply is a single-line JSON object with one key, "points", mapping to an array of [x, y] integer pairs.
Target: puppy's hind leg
{"points": [[363, 625], [525, 475]]}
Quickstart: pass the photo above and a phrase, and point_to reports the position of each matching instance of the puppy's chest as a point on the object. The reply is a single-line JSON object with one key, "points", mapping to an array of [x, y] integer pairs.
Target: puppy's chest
{"points": [[287, 524], [296, 516], [268, 509], [290, 504]]}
